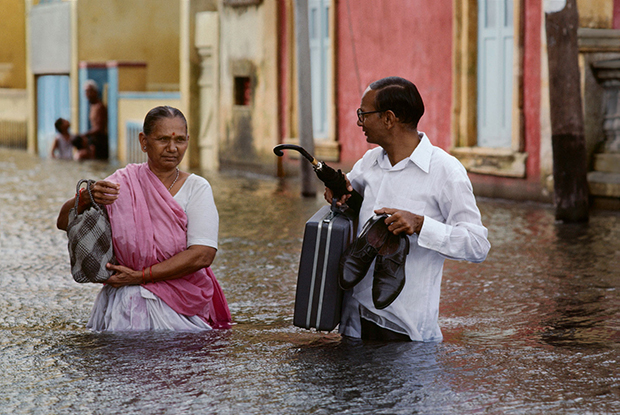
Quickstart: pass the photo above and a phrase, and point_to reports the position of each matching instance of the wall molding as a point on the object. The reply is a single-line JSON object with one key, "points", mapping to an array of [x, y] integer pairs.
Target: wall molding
{"points": [[492, 161]]}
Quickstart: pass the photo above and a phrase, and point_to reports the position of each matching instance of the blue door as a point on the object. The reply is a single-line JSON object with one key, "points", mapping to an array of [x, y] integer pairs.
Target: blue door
{"points": [[53, 102], [320, 65], [495, 45]]}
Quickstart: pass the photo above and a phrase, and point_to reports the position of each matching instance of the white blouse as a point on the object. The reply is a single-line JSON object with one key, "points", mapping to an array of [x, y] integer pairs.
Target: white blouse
{"points": [[196, 199]]}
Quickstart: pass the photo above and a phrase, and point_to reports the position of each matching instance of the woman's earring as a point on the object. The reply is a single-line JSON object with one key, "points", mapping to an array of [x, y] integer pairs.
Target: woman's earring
{"points": [[144, 147]]}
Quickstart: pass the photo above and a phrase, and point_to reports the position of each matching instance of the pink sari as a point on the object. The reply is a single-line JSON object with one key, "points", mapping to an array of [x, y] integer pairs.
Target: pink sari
{"points": [[148, 227]]}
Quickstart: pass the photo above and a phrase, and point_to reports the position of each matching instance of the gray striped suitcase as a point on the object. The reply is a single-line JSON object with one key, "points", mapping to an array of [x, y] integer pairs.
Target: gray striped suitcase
{"points": [[318, 298]]}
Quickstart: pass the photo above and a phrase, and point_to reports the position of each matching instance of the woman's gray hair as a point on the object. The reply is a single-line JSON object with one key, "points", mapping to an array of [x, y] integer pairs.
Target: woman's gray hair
{"points": [[157, 114]]}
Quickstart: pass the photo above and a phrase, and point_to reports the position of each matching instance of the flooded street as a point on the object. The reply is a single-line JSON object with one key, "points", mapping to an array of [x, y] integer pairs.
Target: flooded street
{"points": [[534, 329]]}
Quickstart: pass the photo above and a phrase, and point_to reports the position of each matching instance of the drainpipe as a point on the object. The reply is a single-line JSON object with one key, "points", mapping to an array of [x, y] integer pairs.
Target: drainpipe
{"points": [[304, 95]]}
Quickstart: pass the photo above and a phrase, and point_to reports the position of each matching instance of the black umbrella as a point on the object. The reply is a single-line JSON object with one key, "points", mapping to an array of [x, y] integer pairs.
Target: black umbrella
{"points": [[333, 179]]}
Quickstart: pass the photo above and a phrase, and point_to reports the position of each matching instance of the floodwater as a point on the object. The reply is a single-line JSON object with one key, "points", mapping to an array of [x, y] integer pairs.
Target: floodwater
{"points": [[534, 329]]}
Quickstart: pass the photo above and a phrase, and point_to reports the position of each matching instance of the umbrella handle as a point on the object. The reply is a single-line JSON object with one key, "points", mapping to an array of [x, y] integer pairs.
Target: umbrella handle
{"points": [[332, 179], [278, 152]]}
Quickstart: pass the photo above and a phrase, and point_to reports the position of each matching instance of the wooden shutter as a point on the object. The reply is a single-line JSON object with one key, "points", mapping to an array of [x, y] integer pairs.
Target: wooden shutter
{"points": [[495, 47], [320, 62]]}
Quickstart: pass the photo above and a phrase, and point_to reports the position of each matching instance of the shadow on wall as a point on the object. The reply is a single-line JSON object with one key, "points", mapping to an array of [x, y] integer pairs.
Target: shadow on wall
{"points": [[238, 149]]}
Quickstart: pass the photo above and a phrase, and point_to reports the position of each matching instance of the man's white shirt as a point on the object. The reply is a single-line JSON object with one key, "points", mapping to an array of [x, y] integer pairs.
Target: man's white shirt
{"points": [[433, 184]]}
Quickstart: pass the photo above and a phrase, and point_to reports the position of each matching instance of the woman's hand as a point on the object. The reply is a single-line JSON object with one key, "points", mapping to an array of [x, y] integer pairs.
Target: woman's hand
{"points": [[104, 192], [123, 276]]}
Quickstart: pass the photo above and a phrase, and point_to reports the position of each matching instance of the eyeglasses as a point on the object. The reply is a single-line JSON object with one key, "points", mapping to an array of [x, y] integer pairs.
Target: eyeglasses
{"points": [[360, 114]]}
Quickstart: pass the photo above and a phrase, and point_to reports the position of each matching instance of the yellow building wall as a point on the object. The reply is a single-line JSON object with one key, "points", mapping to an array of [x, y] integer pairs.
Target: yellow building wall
{"points": [[12, 44], [13, 104], [136, 30], [596, 14], [248, 47]]}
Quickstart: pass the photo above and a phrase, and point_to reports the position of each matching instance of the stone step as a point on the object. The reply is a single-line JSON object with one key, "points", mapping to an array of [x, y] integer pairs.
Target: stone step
{"points": [[607, 162], [604, 184]]}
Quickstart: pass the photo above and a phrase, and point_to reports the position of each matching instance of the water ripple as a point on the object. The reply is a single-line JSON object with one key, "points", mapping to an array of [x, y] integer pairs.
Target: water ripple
{"points": [[534, 329]]}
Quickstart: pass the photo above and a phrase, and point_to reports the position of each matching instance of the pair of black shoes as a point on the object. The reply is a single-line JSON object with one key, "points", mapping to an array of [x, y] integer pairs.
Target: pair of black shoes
{"points": [[376, 241]]}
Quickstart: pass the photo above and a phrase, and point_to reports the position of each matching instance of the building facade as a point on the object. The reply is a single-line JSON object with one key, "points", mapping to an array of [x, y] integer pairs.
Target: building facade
{"points": [[231, 66], [481, 67]]}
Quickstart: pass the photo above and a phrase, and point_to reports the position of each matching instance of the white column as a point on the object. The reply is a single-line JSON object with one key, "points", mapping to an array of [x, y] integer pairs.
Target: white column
{"points": [[207, 41]]}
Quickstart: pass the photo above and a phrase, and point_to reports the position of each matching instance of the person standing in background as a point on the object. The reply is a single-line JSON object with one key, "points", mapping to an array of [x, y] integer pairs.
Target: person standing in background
{"points": [[97, 135]]}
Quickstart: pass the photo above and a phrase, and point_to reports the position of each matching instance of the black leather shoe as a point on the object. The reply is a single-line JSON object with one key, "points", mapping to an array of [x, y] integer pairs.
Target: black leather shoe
{"points": [[389, 276], [356, 260]]}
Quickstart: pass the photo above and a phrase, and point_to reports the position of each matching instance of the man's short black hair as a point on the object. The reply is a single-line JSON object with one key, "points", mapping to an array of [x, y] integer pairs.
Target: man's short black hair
{"points": [[401, 97]]}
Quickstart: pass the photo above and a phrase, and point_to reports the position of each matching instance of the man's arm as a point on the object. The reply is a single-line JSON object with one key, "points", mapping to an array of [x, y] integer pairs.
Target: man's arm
{"points": [[329, 194], [461, 237], [98, 120]]}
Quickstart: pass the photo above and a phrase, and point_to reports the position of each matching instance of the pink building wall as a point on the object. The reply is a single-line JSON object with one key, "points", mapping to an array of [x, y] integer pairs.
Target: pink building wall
{"points": [[411, 39], [375, 40], [414, 40], [531, 86]]}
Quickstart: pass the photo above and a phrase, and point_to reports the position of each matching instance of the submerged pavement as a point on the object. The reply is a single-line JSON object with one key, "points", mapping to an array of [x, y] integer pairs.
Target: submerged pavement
{"points": [[533, 329]]}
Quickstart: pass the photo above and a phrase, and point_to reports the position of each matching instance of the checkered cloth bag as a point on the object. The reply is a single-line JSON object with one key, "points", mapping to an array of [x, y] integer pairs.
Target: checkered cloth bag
{"points": [[90, 241]]}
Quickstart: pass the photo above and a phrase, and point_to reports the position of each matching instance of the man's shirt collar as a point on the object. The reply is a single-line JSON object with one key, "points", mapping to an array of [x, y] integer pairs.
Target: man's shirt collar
{"points": [[421, 157]]}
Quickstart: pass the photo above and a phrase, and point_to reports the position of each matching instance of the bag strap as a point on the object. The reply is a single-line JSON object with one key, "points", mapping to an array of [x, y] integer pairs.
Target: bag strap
{"points": [[77, 191]]}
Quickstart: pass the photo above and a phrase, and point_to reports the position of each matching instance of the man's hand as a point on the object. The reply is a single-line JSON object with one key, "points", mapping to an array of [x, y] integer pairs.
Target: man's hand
{"points": [[401, 221], [329, 194]]}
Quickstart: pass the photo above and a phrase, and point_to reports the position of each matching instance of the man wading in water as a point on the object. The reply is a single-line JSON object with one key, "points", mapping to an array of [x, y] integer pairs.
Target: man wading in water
{"points": [[425, 196]]}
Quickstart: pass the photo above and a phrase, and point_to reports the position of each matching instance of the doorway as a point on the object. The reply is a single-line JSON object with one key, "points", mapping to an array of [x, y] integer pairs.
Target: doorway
{"points": [[53, 102]]}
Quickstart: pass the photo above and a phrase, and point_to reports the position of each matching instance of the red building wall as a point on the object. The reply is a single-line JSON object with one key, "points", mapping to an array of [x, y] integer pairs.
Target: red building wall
{"points": [[532, 85], [407, 38], [414, 41]]}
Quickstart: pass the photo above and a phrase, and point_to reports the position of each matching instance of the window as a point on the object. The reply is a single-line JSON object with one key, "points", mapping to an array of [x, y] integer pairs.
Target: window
{"points": [[320, 65], [488, 120], [495, 44], [243, 90]]}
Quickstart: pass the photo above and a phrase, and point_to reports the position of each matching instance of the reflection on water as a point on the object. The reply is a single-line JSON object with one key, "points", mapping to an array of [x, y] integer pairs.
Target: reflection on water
{"points": [[534, 329]]}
